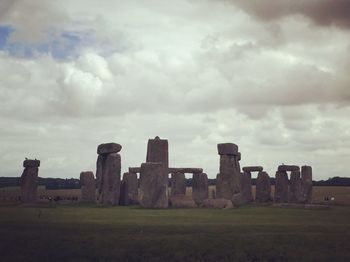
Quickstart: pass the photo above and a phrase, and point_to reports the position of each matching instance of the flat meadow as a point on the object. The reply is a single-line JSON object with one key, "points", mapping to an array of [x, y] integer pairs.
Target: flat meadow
{"points": [[87, 232]]}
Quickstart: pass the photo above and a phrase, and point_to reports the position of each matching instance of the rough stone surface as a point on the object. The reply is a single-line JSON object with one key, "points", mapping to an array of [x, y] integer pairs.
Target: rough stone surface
{"points": [[217, 203], [306, 184], [29, 184], [288, 168], [157, 151], [228, 149], [108, 148], [246, 187], [252, 169], [129, 189], [263, 188], [88, 187], [295, 194], [182, 201], [153, 185], [178, 184], [281, 187], [191, 170], [31, 163], [237, 199], [99, 171], [109, 179], [200, 187], [228, 180]]}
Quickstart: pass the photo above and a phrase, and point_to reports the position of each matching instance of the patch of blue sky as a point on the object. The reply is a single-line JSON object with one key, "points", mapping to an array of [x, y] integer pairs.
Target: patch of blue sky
{"points": [[63, 45]]}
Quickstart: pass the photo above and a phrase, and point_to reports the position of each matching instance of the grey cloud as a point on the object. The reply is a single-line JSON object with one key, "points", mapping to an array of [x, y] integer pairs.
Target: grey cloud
{"points": [[321, 12]]}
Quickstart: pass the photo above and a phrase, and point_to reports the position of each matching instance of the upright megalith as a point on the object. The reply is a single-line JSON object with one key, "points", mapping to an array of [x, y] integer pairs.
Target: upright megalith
{"points": [[200, 187], [295, 194], [108, 168], [228, 179], [153, 185], [263, 188], [29, 180], [129, 189], [88, 186], [178, 184], [306, 183], [158, 151], [246, 187], [281, 187]]}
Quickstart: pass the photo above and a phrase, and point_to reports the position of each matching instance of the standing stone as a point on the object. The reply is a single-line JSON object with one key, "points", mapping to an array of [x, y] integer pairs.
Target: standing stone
{"points": [[129, 189], [228, 180], [110, 180], [178, 184], [295, 193], [306, 183], [200, 187], [246, 188], [153, 186], [263, 188], [88, 187], [157, 151], [281, 187], [29, 181]]}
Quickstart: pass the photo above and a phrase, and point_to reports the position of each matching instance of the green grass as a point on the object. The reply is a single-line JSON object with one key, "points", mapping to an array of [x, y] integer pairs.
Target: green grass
{"points": [[251, 233]]}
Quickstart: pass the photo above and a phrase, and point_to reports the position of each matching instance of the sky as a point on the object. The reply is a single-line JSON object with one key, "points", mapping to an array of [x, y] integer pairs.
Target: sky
{"points": [[271, 76]]}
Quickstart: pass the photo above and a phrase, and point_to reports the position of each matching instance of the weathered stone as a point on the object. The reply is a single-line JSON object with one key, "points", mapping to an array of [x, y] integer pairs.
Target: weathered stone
{"points": [[228, 149], [99, 171], [108, 148], [129, 189], [191, 170], [306, 183], [157, 152], [281, 187], [182, 201], [110, 180], [29, 184], [246, 187], [217, 203], [88, 187], [263, 188], [295, 194], [228, 180], [178, 184], [253, 168], [237, 199], [153, 185], [239, 156], [200, 187], [31, 163], [282, 168]]}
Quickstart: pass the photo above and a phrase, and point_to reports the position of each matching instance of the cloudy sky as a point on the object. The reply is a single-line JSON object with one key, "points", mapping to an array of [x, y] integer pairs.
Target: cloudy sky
{"points": [[271, 76]]}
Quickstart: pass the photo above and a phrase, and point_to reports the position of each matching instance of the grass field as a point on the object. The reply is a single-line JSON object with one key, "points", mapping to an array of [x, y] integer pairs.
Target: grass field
{"points": [[253, 233]]}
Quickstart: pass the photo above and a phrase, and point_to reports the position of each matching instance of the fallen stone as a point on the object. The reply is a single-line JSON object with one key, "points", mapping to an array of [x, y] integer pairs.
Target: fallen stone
{"points": [[108, 148], [217, 203], [153, 186], [227, 149], [253, 168], [263, 188], [182, 201], [200, 187], [88, 187], [281, 187], [283, 168], [31, 163], [178, 184]]}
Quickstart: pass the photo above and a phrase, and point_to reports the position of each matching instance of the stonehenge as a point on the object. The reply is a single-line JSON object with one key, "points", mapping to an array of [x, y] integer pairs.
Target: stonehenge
{"points": [[88, 187], [228, 179], [29, 181], [108, 168], [200, 190]]}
